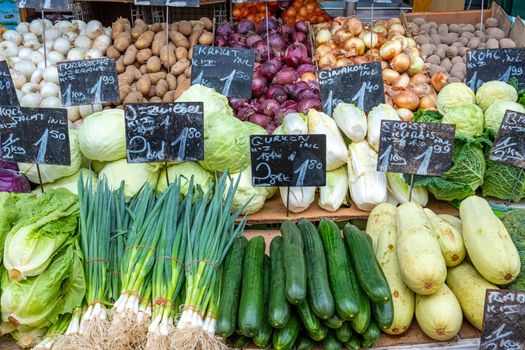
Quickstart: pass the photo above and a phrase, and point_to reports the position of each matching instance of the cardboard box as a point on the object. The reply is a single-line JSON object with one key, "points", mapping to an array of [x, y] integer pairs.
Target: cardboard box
{"points": [[447, 5]]}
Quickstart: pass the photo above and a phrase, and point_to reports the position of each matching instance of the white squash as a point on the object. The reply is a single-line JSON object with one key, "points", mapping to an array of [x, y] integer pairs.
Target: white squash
{"points": [[449, 238]]}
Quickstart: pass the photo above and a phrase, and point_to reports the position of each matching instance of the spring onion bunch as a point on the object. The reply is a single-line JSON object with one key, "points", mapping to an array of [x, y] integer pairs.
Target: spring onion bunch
{"points": [[53, 332], [210, 228]]}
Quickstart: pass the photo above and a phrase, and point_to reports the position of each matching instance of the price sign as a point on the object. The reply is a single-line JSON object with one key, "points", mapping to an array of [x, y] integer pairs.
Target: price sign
{"points": [[288, 160], [7, 88], [509, 147], [503, 320], [35, 135], [170, 3], [164, 132], [228, 71], [88, 81], [415, 148], [495, 64], [44, 4], [360, 84]]}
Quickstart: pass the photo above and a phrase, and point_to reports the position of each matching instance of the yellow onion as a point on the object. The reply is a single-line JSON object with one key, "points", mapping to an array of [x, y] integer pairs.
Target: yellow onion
{"points": [[416, 65], [323, 36], [397, 27], [401, 38], [420, 78], [422, 89], [343, 62], [353, 46], [390, 75], [354, 25], [439, 80], [411, 43], [390, 49], [361, 59], [335, 27], [308, 76], [406, 99], [384, 64], [392, 21], [401, 83], [341, 35], [400, 62], [380, 29], [370, 39], [327, 61], [323, 50], [427, 102], [405, 114]]}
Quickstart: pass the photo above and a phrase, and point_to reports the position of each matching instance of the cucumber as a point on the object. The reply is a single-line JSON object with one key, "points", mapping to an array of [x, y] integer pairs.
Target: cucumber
{"points": [[319, 293], [383, 314], [372, 333], [369, 272], [279, 308], [231, 289], [354, 343], [320, 334], [310, 321], [334, 322], [263, 338], [337, 260], [251, 307], [360, 321], [294, 263], [331, 342], [284, 338], [344, 333], [304, 343], [368, 344], [239, 341]]}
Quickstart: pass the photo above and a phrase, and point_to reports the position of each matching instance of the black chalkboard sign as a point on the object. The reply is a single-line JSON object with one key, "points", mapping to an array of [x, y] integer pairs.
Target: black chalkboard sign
{"points": [[361, 84], [35, 135], [228, 71], [44, 4], [495, 64], [170, 3], [7, 88], [509, 147], [164, 132], [288, 160], [503, 320], [415, 148], [88, 81]]}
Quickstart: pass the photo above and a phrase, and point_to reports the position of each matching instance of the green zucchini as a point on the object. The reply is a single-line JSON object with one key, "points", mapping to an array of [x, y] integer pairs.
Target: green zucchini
{"points": [[383, 314], [334, 322], [337, 260], [304, 343], [284, 338], [263, 338], [310, 320], [320, 334], [372, 333], [369, 272], [239, 341], [354, 343], [279, 308], [344, 333], [319, 293], [251, 308], [294, 263], [331, 342], [231, 289]]}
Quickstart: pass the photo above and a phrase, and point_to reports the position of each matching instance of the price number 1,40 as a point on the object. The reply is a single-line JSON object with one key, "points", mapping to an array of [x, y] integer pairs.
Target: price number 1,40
{"points": [[358, 99]]}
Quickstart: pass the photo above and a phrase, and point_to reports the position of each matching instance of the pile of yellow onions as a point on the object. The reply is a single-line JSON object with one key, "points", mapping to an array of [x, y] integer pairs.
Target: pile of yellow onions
{"points": [[347, 41]]}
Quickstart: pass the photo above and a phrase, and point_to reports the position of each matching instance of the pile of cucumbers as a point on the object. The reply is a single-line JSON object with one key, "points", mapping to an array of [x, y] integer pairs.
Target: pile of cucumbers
{"points": [[316, 287]]}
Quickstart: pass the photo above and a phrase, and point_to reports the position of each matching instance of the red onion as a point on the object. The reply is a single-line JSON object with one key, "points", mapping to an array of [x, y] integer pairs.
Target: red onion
{"points": [[308, 94], [269, 107], [277, 93], [236, 103], [286, 76], [296, 54], [289, 104], [277, 43], [272, 25], [301, 27], [269, 69], [295, 89], [252, 39], [245, 112], [299, 37], [287, 30], [245, 26], [258, 86], [261, 51], [260, 119], [306, 104], [305, 67], [283, 5], [221, 41], [224, 29]]}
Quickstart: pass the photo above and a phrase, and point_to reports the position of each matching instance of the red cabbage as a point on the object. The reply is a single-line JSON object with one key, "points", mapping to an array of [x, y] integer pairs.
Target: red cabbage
{"points": [[260, 119], [287, 30], [221, 41], [269, 107], [277, 93], [245, 26], [12, 181], [270, 23], [286, 76], [224, 29], [306, 104], [296, 54]]}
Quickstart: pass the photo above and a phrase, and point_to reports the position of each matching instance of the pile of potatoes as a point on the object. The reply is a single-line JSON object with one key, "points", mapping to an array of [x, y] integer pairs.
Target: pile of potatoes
{"points": [[149, 69], [444, 46]]}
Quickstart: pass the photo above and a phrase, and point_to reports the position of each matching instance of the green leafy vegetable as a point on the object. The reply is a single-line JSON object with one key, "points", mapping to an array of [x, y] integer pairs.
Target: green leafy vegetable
{"points": [[427, 116], [468, 119]]}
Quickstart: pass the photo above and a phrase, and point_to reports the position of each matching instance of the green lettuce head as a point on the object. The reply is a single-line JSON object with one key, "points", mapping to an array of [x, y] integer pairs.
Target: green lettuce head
{"points": [[70, 183], [185, 170], [493, 91], [246, 193], [468, 119], [226, 144], [213, 102], [496, 112], [134, 175], [453, 95]]}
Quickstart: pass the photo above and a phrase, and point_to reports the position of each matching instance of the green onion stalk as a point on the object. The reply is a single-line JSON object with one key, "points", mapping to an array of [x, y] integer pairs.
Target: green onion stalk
{"points": [[56, 330], [211, 229], [168, 272]]}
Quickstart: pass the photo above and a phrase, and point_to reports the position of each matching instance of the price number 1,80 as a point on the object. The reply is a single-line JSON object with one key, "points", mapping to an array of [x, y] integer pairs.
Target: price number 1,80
{"points": [[185, 135], [309, 164]]}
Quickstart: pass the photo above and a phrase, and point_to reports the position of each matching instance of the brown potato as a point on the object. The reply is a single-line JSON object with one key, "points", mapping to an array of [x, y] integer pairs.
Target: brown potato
{"points": [[124, 90], [190, 54], [181, 80], [169, 97], [119, 26], [184, 27], [152, 91], [158, 42], [143, 69], [143, 56], [144, 84], [172, 81], [122, 41], [156, 99], [139, 28], [206, 38], [194, 37], [167, 55], [155, 77], [180, 67], [507, 43], [130, 55], [153, 65], [145, 40], [126, 78], [156, 27], [179, 40], [162, 88], [181, 52], [134, 97], [182, 87], [111, 52], [492, 43], [121, 67], [208, 23], [187, 72]]}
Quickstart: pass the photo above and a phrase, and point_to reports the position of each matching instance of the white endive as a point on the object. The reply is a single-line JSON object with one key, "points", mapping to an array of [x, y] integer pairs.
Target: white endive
{"points": [[401, 190], [336, 153], [300, 197], [334, 194], [378, 113], [295, 123], [368, 187], [351, 120]]}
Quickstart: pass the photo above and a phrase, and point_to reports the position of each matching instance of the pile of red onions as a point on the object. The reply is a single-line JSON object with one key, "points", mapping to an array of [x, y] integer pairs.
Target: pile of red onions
{"points": [[284, 80]]}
